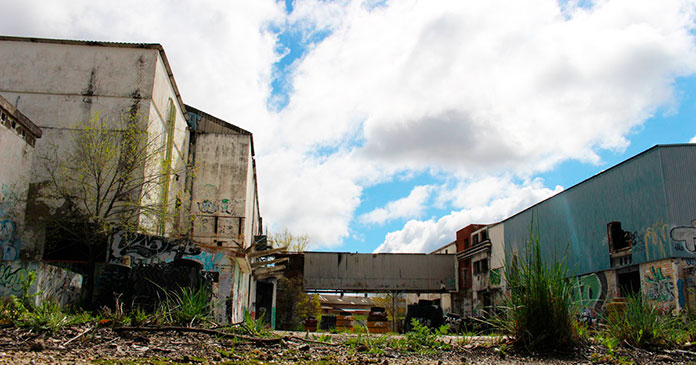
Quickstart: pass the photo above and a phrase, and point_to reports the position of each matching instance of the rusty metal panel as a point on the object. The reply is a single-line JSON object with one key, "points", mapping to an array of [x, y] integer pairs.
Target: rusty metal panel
{"points": [[419, 273]]}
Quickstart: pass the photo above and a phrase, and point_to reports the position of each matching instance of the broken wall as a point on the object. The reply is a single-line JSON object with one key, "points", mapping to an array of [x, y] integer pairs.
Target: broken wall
{"points": [[54, 283]]}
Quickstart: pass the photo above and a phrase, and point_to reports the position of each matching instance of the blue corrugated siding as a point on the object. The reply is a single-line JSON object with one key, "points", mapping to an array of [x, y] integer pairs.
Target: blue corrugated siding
{"points": [[575, 221], [679, 169]]}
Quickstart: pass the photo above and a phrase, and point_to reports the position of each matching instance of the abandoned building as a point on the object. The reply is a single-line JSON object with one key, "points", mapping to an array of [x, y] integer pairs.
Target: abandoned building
{"points": [[628, 229], [216, 223]]}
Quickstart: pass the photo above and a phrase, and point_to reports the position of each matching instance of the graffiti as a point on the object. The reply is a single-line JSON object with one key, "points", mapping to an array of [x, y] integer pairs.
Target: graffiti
{"points": [[660, 287], [52, 282], [225, 206], [11, 278], [690, 288], [207, 206], [210, 261], [495, 277], [9, 242], [687, 235], [656, 236], [590, 292], [143, 246]]}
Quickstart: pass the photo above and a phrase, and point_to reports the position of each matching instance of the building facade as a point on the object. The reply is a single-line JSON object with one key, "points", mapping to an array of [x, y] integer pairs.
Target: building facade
{"points": [[59, 83], [18, 135], [628, 229]]}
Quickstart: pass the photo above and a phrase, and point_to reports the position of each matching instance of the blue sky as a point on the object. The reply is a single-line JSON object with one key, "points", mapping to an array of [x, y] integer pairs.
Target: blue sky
{"points": [[388, 125]]}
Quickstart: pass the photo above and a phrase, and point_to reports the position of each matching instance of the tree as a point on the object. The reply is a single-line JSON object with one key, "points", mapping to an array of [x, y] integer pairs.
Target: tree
{"points": [[294, 243], [394, 304], [112, 175]]}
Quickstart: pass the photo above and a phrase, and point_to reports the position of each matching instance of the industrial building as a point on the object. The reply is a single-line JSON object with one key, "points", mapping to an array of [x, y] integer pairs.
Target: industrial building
{"points": [[213, 221]]}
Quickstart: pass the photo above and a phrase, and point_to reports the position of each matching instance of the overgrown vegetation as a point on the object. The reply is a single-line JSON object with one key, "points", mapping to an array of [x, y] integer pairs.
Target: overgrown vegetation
{"points": [[641, 324], [539, 312], [294, 305], [421, 339]]}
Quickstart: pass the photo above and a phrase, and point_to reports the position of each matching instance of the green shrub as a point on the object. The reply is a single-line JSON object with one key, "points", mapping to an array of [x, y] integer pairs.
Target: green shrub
{"points": [[539, 312], [641, 324]]}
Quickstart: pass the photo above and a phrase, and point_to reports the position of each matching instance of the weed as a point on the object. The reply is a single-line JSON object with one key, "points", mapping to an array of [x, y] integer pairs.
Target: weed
{"points": [[47, 316], [422, 339], [254, 327], [189, 305], [642, 325], [139, 316], [539, 311]]}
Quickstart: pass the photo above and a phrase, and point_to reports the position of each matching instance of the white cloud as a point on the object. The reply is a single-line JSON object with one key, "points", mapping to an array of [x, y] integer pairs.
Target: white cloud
{"points": [[693, 140], [490, 85], [468, 87], [411, 206], [425, 236]]}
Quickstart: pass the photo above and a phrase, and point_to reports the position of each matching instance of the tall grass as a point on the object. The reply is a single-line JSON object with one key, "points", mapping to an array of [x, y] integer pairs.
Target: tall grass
{"points": [[641, 324], [539, 312]]}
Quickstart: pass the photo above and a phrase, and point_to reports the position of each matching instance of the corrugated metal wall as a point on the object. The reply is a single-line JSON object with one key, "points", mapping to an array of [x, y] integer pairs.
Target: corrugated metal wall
{"points": [[679, 169], [575, 221], [379, 272]]}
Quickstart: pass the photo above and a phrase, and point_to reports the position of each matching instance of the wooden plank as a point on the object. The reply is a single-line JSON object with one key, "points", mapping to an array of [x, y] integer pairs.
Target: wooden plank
{"points": [[271, 262], [267, 252]]}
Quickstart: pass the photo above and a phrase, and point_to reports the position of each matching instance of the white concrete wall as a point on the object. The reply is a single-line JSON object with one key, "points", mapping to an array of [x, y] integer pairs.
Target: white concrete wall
{"points": [[58, 85], [220, 189], [15, 168]]}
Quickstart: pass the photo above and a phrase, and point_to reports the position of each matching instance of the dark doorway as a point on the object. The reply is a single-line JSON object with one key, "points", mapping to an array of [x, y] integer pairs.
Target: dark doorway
{"points": [[629, 281], [264, 300]]}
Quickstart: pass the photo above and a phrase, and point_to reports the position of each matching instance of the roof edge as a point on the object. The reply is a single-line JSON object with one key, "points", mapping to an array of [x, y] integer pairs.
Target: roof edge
{"points": [[155, 46]]}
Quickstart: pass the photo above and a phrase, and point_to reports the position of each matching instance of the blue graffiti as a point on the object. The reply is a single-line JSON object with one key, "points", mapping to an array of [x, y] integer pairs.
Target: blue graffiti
{"points": [[9, 242], [210, 261]]}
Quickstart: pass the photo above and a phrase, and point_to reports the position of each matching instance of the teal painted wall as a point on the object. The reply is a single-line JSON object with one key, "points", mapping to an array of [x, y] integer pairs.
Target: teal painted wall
{"points": [[574, 222]]}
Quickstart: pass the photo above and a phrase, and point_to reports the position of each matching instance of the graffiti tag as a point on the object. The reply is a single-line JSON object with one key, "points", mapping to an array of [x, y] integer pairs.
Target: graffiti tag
{"points": [[590, 291], [660, 287], [686, 235], [207, 206], [145, 246]]}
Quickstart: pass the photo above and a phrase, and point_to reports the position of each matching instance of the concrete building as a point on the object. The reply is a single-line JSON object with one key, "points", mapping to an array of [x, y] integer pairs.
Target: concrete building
{"points": [[629, 228], [58, 83], [462, 302], [18, 137], [225, 209]]}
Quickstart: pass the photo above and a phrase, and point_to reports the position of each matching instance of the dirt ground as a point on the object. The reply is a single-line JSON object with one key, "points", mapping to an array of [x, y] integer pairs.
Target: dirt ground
{"points": [[85, 344]]}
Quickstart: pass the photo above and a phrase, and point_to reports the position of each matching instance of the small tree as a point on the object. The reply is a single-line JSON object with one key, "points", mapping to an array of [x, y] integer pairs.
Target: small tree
{"points": [[394, 304], [294, 243], [113, 175]]}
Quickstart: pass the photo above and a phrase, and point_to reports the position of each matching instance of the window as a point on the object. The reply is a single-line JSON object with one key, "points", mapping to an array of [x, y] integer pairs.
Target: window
{"points": [[466, 243], [617, 237], [481, 266], [484, 235], [476, 239]]}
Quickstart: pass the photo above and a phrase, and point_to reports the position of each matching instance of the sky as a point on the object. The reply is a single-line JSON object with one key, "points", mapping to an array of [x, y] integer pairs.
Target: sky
{"points": [[386, 126]]}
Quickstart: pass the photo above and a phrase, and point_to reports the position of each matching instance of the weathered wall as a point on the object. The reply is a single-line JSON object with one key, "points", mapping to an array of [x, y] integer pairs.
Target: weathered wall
{"points": [[58, 84], [220, 190], [52, 282], [659, 283], [156, 250], [15, 167], [379, 272], [634, 193]]}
